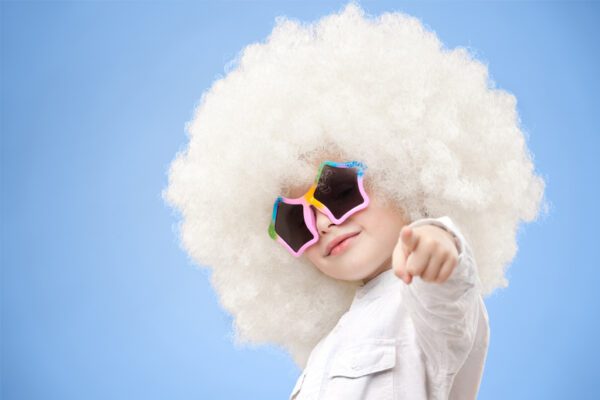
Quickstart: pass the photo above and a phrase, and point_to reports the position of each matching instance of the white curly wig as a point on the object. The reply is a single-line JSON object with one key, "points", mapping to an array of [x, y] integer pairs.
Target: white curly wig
{"points": [[436, 136]]}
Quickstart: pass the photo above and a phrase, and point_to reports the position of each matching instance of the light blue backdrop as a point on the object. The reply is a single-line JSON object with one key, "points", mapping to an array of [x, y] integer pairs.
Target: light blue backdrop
{"points": [[98, 300]]}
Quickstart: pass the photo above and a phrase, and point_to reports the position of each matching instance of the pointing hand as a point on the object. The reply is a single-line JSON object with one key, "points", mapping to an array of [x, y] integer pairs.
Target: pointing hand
{"points": [[427, 251]]}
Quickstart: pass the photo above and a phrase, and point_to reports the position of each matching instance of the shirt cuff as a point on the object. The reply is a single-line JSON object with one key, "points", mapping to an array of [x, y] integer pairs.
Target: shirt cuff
{"points": [[448, 225]]}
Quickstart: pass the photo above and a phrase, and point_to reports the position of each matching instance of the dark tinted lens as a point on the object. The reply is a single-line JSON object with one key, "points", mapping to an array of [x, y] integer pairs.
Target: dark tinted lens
{"points": [[338, 190], [290, 225]]}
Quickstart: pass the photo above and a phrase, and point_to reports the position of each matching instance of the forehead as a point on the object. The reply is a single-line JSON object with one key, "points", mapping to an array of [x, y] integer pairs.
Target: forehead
{"points": [[296, 190]]}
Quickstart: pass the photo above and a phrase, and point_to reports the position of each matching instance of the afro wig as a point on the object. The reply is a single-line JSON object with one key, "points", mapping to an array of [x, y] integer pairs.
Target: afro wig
{"points": [[437, 137]]}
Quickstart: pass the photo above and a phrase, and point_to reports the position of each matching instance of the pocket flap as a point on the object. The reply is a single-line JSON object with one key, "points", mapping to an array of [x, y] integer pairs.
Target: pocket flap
{"points": [[364, 358]]}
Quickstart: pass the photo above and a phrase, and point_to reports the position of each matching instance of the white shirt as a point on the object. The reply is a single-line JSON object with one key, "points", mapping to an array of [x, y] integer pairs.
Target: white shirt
{"points": [[419, 341]]}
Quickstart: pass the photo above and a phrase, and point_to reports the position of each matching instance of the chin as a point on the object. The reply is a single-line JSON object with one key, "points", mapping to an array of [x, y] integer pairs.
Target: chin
{"points": [[353, 273]]}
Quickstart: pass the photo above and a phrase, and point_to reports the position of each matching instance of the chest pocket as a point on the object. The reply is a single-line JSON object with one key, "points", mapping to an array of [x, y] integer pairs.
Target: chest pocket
{"points": [[363, 371]]}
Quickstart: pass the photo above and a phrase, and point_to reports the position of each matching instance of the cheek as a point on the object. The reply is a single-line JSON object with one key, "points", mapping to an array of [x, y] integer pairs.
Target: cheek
{"points": [[312, 255], [382, 228], [373, 242]]}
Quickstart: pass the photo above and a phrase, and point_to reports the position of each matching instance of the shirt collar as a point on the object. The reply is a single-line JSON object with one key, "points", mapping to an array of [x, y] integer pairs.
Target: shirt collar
{"points": [[376, 286]]}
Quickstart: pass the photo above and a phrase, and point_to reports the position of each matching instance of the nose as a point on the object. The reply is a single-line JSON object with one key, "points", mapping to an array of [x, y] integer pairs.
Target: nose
{"points": [[322, 221]]}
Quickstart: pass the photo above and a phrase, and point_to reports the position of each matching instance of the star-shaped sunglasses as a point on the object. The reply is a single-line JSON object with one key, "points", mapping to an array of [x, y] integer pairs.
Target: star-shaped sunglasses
{"points": [[337, 191]]}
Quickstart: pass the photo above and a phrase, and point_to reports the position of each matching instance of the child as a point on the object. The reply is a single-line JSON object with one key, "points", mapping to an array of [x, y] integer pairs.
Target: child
{"points": [[398, 340], [437, 177]]}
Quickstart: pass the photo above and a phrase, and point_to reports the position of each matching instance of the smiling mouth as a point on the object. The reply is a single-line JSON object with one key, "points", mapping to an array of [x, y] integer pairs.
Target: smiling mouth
{"points": [[342, 246]]}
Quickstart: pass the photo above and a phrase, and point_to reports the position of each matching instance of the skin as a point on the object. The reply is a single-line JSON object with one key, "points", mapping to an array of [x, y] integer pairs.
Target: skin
{"points": [[371, 251], [426, 251]]}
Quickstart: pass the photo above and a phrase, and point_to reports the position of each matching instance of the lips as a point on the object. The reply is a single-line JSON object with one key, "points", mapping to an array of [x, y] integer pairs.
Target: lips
{"points": [[337, 241]]}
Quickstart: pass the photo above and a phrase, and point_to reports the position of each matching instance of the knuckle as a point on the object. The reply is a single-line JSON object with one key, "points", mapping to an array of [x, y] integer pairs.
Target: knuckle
{"points": [[429, 242]]}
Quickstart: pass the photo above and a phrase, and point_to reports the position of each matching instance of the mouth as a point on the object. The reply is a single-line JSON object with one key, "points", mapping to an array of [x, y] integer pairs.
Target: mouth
{"points": [[340, 246]]}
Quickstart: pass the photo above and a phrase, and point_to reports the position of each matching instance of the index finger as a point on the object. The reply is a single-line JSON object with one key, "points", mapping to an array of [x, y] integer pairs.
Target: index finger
{"points": [[409, 239]]}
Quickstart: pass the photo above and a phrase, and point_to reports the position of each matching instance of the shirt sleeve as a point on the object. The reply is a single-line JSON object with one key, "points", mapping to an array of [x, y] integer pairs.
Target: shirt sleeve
{"points": [[445, 315]]}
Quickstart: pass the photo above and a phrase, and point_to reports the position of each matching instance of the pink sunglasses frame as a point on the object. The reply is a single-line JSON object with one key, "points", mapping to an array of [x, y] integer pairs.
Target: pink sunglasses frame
{"points": [[308, 199]]}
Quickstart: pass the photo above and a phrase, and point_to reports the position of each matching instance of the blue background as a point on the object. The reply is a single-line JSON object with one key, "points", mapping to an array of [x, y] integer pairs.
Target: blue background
{"points": [[98, 300]]}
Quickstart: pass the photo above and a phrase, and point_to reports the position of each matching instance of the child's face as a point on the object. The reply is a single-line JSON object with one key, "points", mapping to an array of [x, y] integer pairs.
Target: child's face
{"points": [[363, 256]]}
